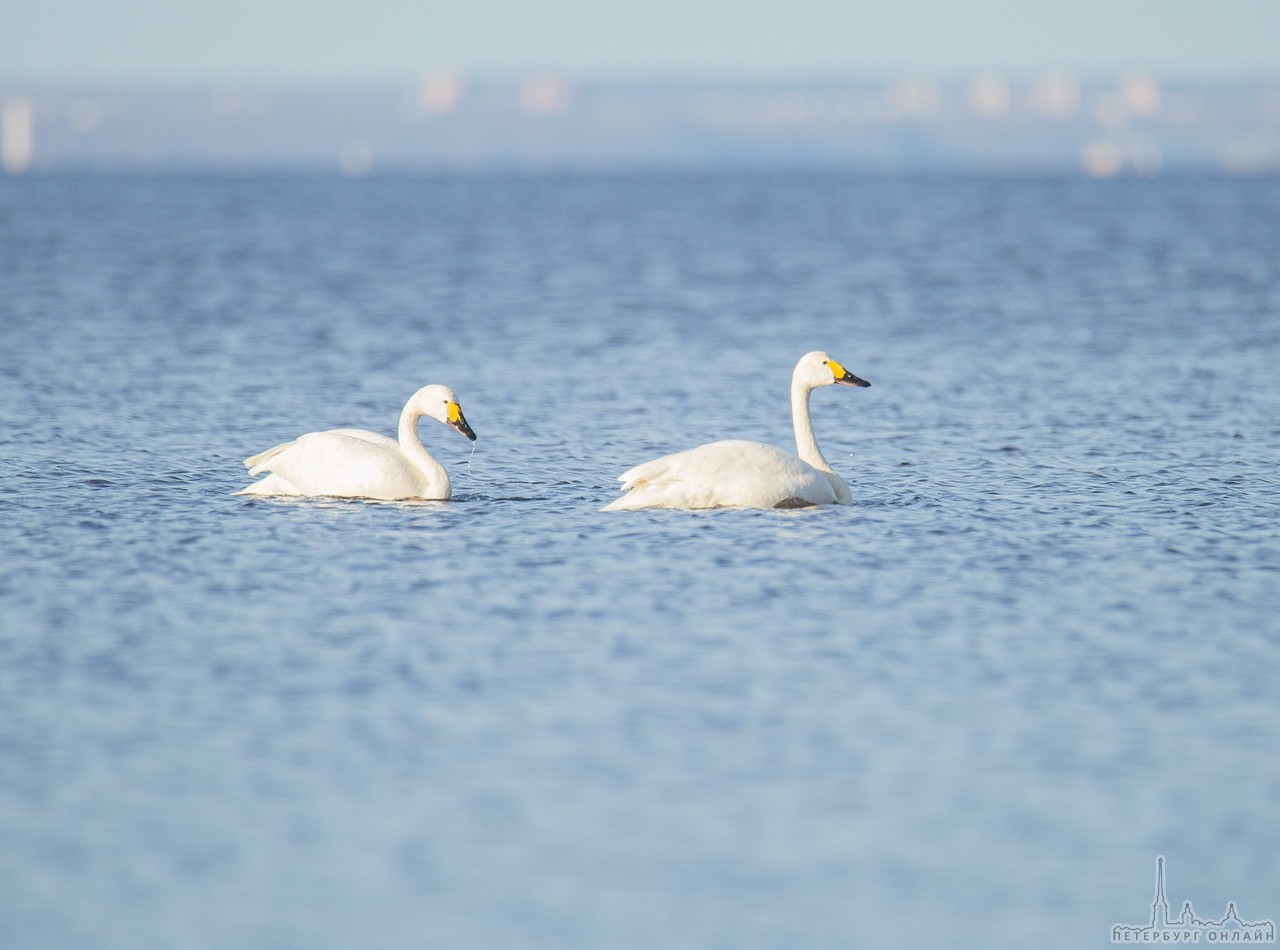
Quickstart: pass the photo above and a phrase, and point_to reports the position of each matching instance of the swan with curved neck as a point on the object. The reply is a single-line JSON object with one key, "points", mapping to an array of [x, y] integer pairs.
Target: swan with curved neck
{"points": [[742, 474], [356, 463]]}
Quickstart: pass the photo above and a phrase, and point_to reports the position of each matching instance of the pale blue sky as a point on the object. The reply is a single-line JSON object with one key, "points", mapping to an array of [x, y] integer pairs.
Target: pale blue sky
{"points": [[324, 41]]}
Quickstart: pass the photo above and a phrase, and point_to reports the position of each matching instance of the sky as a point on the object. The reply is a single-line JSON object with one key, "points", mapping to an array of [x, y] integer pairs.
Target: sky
{"points": [[320, 42]]}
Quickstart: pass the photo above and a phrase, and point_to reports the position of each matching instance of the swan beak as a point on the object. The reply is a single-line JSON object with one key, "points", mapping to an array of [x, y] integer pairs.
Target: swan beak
{"points": [[845, 378], [458, 422]]}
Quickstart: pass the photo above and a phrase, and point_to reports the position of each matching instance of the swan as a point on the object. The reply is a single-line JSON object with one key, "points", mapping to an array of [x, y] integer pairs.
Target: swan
{"points": [[741, 474], [355, 463]]}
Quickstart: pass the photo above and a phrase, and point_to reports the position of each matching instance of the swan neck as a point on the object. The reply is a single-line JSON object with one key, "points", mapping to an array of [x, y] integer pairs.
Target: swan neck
{"points": [[806, 442], [433, 473]]}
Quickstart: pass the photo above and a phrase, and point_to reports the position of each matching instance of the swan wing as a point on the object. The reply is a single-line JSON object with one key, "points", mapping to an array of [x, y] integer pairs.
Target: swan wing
{"points": [[347, 463], [730, 474]]}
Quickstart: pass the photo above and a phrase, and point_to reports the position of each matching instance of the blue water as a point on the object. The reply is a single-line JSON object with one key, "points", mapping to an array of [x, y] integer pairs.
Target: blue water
{"points": [[1041, 648]]}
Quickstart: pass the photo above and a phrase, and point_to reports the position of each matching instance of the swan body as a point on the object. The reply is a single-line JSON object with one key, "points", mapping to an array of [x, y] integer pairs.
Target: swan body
{"points": [[355, 463], [741, 474]]}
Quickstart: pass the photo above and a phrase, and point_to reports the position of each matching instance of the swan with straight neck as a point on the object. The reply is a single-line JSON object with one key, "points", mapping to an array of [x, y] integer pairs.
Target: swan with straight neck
{"points": [[741, 474]]}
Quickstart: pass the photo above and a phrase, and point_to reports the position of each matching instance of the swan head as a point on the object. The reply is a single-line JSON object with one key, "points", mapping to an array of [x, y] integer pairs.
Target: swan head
{"points": [[440, 403], [818, 369]]}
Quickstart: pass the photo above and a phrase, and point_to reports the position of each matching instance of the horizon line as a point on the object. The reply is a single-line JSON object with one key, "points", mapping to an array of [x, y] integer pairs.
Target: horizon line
{"points": [[667, 79]]}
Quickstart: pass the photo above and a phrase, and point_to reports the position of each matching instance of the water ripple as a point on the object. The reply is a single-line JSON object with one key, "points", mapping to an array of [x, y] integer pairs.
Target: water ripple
{"points": [[1038, 647]]}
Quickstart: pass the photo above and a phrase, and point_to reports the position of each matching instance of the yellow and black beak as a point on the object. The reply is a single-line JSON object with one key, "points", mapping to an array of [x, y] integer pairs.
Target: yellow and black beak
{"points": [[458, 421], [845, 378]]}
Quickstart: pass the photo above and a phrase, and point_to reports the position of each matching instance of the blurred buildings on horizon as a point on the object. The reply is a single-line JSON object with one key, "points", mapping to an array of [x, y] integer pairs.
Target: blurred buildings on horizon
{"points": [[1134, 124]]}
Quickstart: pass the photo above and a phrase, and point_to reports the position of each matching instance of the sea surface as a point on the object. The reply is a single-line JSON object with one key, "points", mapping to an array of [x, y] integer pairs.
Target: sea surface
{"points": [[1040, 649]]}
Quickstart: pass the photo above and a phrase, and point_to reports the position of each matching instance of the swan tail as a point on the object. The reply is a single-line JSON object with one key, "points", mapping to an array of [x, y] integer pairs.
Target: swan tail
{"points": [[271, 485], [647, 473], [634, 481], [257, 464], [628, 502]]}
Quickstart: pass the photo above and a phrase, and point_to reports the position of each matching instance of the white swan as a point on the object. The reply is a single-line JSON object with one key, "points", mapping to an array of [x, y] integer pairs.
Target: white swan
{"points": [[354, 463], [741, 474]]}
